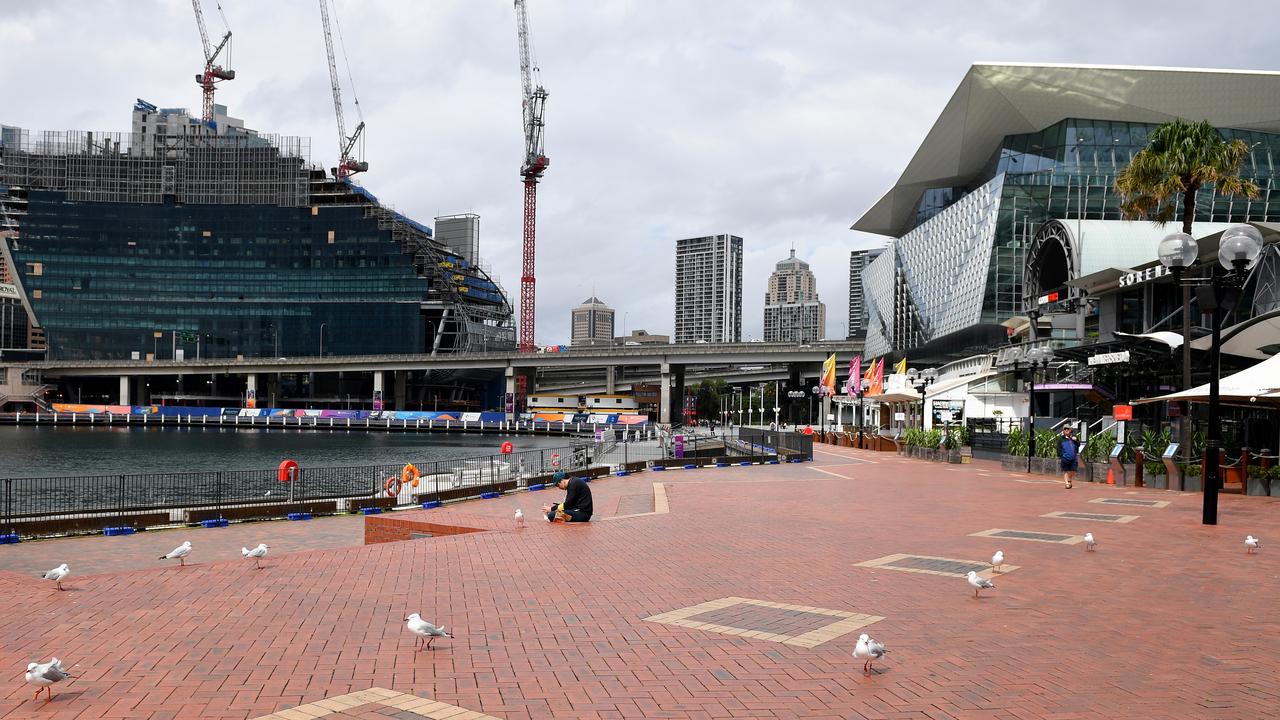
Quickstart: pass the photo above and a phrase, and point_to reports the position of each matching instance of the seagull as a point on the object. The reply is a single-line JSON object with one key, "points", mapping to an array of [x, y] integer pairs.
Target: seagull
{"points": [[997, 560], [870, 649], [57, 574], [979, 583], [1089, 542], [45, 675], [1251, 543], [519, 517], [424, 629], [180, 553], [257, 554]]}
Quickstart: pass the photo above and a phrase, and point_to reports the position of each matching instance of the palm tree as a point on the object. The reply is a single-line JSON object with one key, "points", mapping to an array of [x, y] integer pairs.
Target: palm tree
{"points": [[1180, 158]]}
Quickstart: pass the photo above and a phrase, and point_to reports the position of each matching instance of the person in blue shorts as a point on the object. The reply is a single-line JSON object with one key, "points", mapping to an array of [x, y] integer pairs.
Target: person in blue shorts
{"points": [[1068, 455]]}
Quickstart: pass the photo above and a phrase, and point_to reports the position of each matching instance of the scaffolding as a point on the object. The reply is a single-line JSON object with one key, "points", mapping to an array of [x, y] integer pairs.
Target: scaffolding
{"points": [[199, 169]]}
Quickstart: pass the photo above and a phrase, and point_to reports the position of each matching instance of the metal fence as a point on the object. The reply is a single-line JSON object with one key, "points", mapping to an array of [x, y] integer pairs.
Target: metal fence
{"points": [[780, 442], [57, 505], [33, 507]]}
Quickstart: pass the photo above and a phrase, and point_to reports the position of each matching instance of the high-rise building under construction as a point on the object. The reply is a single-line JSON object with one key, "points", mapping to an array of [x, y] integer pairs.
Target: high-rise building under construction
{"points": [[223, 241]]}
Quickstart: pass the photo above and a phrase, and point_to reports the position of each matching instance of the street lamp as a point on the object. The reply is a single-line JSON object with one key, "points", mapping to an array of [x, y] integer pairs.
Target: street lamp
{"points": [[921, 380], [1238, 249], [821, 391], [1037, 357]]}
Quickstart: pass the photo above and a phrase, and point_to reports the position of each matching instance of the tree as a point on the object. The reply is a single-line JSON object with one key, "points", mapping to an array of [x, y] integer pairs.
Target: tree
{"points": [[1180, 158]]}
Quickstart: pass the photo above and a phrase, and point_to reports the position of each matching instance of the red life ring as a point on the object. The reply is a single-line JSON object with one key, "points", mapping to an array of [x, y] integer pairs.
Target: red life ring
{"points": [[288, 470], [508, 448], [410, 475], [393, 480]]}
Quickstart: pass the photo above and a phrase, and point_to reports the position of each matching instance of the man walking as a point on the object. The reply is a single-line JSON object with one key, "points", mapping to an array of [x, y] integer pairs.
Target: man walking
{"points": [[1068, 455]]}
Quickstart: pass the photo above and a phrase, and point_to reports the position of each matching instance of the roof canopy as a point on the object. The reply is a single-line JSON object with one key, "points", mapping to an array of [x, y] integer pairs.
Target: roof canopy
{"points": [[999, 99], [1259, 385]]}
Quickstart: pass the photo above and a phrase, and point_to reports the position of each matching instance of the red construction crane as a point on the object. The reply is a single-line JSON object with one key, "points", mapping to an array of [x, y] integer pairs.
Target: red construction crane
{"points": [[213, 73], [347, 165], [533, 101]]}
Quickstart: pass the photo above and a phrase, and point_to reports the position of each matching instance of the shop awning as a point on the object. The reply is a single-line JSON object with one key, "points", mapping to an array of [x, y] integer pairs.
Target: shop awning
{"points": [[1258, 385], [1256, 338]]}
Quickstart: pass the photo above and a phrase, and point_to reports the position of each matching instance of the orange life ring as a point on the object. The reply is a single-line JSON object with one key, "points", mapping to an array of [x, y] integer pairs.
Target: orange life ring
{"points": [[288, 470], [508, 448], [393, 480], [410, 475]]}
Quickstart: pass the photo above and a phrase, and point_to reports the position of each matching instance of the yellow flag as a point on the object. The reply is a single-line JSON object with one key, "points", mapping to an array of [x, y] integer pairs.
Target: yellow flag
{"points": [[829, 373], [901, 367]]}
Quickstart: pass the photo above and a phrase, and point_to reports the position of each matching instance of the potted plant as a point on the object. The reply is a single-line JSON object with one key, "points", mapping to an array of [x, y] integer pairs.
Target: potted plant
{"points": [[1258, 481], [1273, 475], [1191, 477]]}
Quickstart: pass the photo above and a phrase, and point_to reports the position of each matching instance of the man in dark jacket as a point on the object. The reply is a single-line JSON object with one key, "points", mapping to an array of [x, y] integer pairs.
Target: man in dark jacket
{"points": [[577, 501]]}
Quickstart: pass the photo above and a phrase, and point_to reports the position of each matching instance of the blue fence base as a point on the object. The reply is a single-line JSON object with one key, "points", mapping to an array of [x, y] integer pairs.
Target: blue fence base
{"points": [[722, 464], [773, 462], [118, 531], [536, 487], [621, 473], [690, 467], [10, 539], [371, 511], [659, 468], [431, 504], [744, 463], [300, 516], [215, 523], [489, 495]]}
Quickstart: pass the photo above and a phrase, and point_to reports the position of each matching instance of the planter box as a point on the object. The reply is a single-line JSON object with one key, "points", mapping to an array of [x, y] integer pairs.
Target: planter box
{"points": [[1192, 483], [1258, 486], [1159, 482], [1275, 488]]}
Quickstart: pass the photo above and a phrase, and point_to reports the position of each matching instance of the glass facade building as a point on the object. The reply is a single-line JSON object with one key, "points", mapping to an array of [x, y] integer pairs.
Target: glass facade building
{"points": [[122, 246], [961, 241]]}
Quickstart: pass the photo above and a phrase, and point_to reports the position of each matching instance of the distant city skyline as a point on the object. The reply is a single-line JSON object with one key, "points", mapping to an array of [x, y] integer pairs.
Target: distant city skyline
{"points": [[777, 120]]}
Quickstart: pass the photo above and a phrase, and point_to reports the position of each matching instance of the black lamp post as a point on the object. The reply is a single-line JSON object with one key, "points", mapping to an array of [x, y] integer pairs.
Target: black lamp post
{"points": [[921, 382], [1037, 357], [863, 385], [1238, 249]]}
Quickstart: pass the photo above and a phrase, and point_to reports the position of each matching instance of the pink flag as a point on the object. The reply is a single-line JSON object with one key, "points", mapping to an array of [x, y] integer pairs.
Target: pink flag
{"points": [[855, 376]]}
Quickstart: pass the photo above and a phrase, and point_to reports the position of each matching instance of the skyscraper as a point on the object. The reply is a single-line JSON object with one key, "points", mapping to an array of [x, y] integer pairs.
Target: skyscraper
{"points": [[792, 312], [461, 234], [592, 323], [709, 289], [858, 261]]}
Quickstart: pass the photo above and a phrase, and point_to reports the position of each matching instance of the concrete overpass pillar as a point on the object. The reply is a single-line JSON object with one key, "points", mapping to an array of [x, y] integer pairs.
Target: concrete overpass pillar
{"points": [[509, 398], [251, 391], [124, 390], [664, 395], [401, 377], [377, 390], [610, 380]]}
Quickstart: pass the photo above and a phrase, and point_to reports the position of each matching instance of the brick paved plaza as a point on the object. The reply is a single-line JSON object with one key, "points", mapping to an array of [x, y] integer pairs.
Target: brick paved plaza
{"points": [[734, 592]]}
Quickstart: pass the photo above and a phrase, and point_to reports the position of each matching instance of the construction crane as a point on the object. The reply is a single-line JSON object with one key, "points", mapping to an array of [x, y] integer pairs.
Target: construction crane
{"points": [[213, 73], [347, 165], [533, 101]]}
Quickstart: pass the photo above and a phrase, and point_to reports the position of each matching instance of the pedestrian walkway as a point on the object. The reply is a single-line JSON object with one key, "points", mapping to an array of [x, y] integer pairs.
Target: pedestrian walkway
{"points": [[744, 599]]}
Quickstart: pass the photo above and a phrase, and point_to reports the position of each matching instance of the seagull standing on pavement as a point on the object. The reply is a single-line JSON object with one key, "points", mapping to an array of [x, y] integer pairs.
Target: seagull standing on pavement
{"points": [[424, 629], [1251, 543], [257, 554], [57, 574], [1089, 542], [45, 675], [179, 553], [870, 649], [997, 560], [979, 583], [519, 517]]}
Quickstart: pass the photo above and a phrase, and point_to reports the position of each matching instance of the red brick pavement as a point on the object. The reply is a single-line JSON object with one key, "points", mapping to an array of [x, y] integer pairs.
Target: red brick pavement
{"points": [[1168, 619]]}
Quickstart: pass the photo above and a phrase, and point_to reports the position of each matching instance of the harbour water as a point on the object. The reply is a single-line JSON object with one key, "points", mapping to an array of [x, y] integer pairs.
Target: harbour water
{"points": [[68, 451]]}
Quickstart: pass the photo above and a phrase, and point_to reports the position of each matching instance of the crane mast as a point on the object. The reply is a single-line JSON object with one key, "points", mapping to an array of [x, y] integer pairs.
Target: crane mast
{"points": [[213, 72], [347, 165], [534, 164]]}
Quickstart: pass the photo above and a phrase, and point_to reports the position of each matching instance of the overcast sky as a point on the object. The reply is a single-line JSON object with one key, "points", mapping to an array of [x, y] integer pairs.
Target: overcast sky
{"points": [[780, 122]]}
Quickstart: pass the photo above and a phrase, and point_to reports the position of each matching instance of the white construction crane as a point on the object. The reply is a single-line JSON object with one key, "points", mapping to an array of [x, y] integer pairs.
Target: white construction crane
{"points": [[213, 73], [347, 165]]}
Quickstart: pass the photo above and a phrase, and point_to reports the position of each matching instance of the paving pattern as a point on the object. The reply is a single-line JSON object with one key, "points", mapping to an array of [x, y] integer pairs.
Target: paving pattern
{"points": [[1168, 619]]}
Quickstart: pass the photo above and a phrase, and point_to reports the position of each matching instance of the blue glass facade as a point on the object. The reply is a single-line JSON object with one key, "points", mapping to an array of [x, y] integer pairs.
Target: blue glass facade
{"points": [[252, 280]]}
